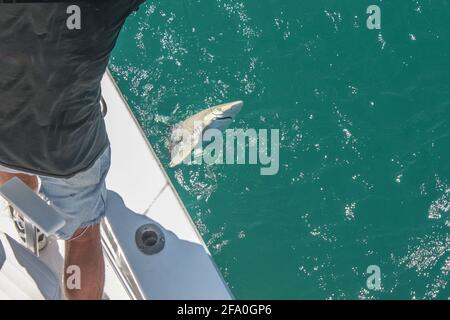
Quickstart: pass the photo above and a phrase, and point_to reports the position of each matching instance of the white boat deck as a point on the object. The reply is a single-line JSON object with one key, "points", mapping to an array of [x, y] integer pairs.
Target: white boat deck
{"points": [[140, 192]]}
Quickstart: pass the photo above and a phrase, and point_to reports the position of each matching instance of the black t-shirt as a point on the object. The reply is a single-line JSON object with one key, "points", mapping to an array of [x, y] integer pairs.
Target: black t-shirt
{"points": [[52, 59]]}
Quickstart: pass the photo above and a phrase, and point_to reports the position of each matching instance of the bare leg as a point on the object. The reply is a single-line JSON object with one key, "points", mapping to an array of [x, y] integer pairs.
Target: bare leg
{"points": [[84, 250], [84, 254], [30, 181]]}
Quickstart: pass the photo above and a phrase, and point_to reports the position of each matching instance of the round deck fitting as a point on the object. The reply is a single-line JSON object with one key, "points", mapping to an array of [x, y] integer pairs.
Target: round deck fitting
{"points": [[150, 239]]}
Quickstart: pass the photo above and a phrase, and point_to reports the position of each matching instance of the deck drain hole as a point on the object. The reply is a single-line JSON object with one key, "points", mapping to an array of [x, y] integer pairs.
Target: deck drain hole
{"points": [[150, 239]]}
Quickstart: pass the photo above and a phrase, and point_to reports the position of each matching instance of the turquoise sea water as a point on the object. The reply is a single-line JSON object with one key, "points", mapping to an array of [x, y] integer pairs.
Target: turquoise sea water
{"points": [[364, 120]]}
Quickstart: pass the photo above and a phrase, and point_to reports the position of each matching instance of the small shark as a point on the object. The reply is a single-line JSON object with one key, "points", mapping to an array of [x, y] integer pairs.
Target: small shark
{"points": [[188, 134]]}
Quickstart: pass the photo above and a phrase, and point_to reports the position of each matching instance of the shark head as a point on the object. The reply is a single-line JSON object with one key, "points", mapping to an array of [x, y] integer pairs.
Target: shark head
{"points": [[227, 110], [222, 116], [188, 134]]}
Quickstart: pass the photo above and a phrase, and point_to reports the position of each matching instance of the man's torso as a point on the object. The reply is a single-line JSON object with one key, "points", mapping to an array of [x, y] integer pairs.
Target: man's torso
{"points": [[52, 58]]}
